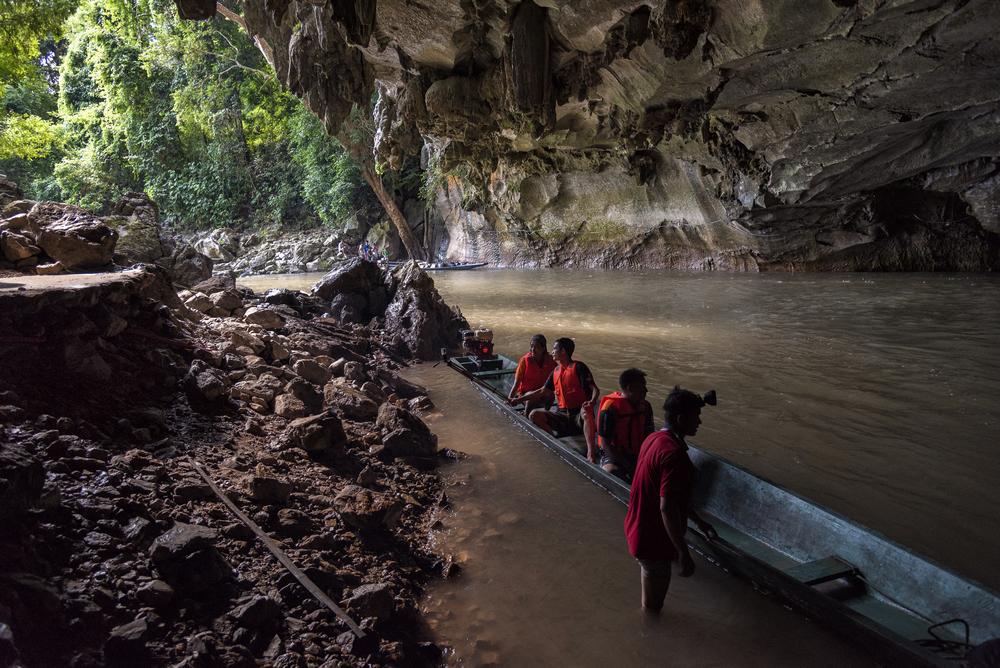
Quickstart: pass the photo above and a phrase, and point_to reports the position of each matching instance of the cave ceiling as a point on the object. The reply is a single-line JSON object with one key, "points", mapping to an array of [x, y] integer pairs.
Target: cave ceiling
{"points": [[776, 104]]}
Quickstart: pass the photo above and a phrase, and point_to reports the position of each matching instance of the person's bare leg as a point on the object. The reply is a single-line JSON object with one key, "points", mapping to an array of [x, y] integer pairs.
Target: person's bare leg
{"points": [[541, 418], [610, 468], [590, 434], [654, 591], [535, 403]]}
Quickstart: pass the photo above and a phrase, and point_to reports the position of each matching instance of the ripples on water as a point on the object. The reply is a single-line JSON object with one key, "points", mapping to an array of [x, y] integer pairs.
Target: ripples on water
{"points": [[877, 395]]}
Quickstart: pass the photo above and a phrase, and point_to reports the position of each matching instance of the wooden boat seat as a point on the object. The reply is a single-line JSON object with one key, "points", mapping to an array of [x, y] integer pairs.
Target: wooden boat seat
{"points": [[822, 570]]}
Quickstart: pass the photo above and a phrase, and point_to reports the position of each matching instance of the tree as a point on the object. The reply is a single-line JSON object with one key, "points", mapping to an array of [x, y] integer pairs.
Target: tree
{"points": [[22, 25], [357, 137]]}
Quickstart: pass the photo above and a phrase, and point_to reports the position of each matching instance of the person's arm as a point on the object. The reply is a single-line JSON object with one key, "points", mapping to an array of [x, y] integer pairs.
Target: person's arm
{"points": [[518, 374], [589, 428], [606, 424], [673, 522], [703, 526], [545, 391], [589, 385], [605, 428]]}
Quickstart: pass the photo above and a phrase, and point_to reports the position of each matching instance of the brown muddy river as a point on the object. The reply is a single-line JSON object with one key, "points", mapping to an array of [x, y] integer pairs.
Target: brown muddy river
{"points": [[876, 395]]}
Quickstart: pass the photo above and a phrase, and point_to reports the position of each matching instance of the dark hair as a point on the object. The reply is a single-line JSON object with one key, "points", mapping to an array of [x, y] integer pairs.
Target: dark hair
{"points": [[630, 376], [680, 402], [539, 338], [565, 344]]}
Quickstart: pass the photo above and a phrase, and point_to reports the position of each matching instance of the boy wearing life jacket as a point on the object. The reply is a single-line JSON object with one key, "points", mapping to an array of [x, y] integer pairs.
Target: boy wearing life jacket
{"points": [[624, 421], [573, 386], [532, 371]]}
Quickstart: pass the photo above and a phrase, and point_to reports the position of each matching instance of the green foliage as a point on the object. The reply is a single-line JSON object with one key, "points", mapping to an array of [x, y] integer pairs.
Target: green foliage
{"points": [[30, 137], [25, 136], [436, 177], [188, 112], [331, 179], [23, 23]]}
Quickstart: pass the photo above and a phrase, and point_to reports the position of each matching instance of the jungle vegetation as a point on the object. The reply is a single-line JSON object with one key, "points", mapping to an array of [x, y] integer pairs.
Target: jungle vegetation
{"points": [[98, 98]]}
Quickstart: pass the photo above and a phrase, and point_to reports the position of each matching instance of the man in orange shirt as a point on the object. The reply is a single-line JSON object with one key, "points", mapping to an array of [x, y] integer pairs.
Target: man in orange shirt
{"points": [[573, 386], [532, 371], [624, 421]]}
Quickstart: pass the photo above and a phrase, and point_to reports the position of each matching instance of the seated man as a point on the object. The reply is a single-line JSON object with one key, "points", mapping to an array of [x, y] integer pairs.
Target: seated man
{"points": [[575, 391], [659, 503], [532, 371], [624, 421]]}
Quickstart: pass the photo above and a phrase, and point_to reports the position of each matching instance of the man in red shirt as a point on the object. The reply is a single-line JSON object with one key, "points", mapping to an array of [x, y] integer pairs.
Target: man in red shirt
{"points": [[532, 371], [660, 500]]}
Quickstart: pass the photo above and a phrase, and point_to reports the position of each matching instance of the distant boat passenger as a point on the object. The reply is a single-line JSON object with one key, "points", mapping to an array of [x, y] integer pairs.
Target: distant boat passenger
{"points": [[624, 420], [532, 371], [575, 391], [660, 500]]}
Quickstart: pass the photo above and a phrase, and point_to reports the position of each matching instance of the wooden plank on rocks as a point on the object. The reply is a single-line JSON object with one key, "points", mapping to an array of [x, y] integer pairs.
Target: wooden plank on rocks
{"points": [[271, 545]]}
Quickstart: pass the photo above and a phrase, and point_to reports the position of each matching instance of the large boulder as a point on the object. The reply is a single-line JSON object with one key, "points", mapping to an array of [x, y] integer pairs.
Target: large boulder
{"points": [[187, 559], [136, 219], [204, 384], [9, 191], [268, 318], [186, 265], [419, 315], [21, 479], [77, 240], [137, 241], [404, 434], [16, 247], [317, 433], [412, 307], [349, 403], [220, 245], [355, 291]]}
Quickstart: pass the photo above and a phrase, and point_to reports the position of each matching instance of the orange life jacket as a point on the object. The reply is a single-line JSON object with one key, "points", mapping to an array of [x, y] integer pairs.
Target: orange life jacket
{"points": [[630, 423], [570, 393], [532, 375]]}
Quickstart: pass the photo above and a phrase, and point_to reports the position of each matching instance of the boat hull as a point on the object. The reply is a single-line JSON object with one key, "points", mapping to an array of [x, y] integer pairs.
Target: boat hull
{"points": [[853, 580]]}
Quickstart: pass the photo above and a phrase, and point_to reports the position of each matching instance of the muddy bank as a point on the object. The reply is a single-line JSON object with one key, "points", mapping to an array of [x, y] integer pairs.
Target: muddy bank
{"points": [[116, 550]]}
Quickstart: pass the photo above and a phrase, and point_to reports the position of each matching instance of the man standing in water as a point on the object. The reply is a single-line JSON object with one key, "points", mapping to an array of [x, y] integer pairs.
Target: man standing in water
{"points": [[532, 371], [660, 501]]}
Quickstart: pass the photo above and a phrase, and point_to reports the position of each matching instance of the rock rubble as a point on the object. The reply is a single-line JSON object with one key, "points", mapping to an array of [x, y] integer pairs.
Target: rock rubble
{"points": [[51, 238], [115, 551]]}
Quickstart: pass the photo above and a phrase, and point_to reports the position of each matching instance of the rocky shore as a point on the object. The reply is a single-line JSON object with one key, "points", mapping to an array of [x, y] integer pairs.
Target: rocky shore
{"points": [[245, 254], [52, 238], [129, 410]]}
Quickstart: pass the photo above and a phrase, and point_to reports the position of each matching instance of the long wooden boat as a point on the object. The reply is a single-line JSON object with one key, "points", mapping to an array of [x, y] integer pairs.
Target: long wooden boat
{"points": [[444, 266], [904, 608]]}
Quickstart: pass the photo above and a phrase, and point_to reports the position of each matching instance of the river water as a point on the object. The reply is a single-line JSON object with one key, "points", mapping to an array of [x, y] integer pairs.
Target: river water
{"points": [[876, 395]]}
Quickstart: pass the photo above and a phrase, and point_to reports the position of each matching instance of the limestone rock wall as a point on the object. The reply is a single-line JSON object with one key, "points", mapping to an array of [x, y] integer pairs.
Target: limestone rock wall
{"points": [[819, 134]]}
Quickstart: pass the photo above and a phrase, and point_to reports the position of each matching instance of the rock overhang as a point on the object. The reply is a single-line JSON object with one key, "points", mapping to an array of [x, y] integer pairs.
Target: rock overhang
{"points": [[770, 103]]}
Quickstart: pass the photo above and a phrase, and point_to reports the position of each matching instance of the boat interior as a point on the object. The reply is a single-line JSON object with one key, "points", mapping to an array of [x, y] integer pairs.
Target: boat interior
{"points": [[825, 565]]}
